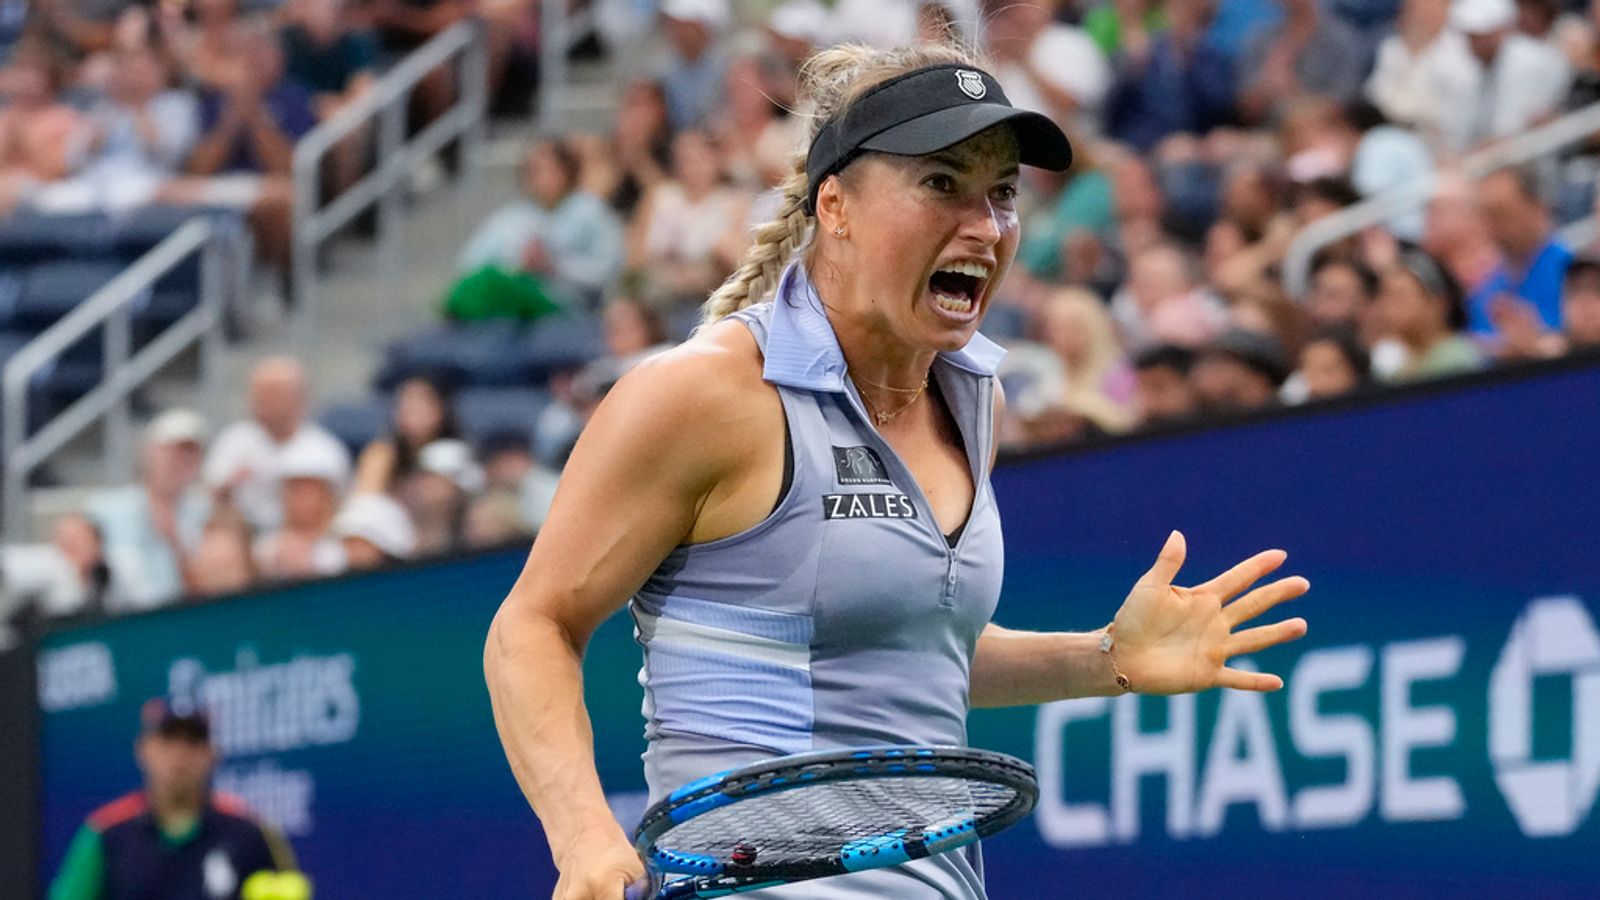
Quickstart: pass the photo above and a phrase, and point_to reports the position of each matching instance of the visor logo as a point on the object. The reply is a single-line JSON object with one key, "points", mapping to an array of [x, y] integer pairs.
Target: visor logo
{"points": [[971, 83]]}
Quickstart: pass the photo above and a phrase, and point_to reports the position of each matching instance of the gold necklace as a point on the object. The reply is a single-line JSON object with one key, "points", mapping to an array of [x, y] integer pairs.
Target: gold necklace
{"points": [[883, 417]]}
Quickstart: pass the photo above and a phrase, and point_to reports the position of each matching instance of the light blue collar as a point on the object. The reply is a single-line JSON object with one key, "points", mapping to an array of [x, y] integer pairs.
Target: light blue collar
{"points": [[803, 352]]}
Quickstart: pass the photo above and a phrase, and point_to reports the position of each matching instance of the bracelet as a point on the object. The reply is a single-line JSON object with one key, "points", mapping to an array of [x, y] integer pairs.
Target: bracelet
{"points": [[1107, 643]]}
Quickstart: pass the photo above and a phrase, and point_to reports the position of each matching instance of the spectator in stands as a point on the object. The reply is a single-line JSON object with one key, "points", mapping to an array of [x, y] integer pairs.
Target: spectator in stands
{"points": [[1580, 305], [1419, 304], [338, 64], [1533, 259], [209, 50], [1408, 60], [1254, 197], [244, 467], [689, 230], [1456, 234], [1238, 371], [1524, 335], [65, 577], [175, 837], [1507, 83], [223, 562], [422, 414], [1076, 327], [438, 493], [150, 528], [404, 25], [374, 530], [140, 133], [1162, 392], [73, 29], [305, 545], [1121, 25], [1081, 208], [1307, 53], [1046, 65], [639, 153], [1386, 157], [632, 330], [1341, 290], [756, 138], [695, 73], [1176, 83], [494, 519], [561, 237], [38, 133], [1333, 363], [250, 119], [1163, 300]]}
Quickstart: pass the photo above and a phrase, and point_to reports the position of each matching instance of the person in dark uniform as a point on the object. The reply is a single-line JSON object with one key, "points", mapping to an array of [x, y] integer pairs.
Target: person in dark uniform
{"points": [[176, 839]]}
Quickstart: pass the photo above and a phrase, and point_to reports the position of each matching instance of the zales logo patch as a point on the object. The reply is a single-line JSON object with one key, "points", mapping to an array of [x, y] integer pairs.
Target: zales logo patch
{"points": [[867, 506], [859, 465]]}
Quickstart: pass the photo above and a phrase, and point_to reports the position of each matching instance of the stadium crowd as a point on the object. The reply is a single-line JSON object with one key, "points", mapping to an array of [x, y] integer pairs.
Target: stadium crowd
{"points": [[1148, 288]]}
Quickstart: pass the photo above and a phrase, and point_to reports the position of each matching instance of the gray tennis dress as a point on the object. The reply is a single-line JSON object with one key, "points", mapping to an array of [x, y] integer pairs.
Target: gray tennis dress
{"points": [[843, 619]]}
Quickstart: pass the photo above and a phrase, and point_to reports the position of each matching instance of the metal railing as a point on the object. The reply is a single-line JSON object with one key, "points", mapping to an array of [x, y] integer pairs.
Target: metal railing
{"points": [[123, 371], [1571, 128], [560, 27], [462, 46]]}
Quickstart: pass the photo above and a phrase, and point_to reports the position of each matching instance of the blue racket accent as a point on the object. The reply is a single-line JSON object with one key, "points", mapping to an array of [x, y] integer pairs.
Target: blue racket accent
{"points": [[704, 804], [685, 863], [876, 852]]}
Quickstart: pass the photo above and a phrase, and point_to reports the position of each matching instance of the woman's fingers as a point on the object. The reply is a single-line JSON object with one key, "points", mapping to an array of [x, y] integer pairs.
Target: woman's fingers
{"points": [[1260, 638], [1244, 574], [1248, 681], [1264, 598]]}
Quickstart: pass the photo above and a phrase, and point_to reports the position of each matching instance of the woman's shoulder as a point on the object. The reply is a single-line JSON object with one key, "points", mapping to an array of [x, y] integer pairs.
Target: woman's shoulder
{"points": [[719, 364]]}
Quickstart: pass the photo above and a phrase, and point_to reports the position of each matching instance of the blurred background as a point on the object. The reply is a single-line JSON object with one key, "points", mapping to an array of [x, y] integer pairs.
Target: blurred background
{"points": [[304, 303]]}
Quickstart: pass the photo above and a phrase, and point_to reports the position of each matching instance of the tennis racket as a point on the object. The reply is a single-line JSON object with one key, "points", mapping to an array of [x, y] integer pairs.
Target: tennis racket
{"points": [[812, 815]]}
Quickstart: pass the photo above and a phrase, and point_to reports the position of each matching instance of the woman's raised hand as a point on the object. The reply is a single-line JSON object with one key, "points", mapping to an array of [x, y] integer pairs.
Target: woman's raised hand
{"points": [[1173, 640]]}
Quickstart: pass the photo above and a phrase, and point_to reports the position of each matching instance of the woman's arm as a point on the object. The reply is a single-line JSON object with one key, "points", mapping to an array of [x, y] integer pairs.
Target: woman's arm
{"points": [[658, 458], [1168, 639]]}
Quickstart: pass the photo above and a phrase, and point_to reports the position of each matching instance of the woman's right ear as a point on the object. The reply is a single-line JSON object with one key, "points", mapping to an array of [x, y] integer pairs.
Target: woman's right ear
{"points": [[831, 208]]}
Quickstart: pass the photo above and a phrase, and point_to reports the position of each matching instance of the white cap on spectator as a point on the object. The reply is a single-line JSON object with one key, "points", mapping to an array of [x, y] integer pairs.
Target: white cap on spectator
{"points": [[309, 459], [379, 520], [452, 459], [800, 20], [1482, 16], [710, 13], [176, 426]]}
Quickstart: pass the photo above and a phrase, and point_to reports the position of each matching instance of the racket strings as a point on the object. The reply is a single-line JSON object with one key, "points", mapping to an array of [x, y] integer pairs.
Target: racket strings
{"points": [[817, 821]]}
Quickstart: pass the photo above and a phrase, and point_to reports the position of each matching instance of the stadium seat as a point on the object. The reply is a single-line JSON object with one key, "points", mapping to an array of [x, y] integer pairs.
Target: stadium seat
{"points": [[558, 344], [50, 290], [485, 411], [358, 422], [484, 353], [30, 237]]}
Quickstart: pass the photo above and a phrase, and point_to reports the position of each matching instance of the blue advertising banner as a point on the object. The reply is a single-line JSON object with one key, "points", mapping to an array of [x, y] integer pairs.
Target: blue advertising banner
{"points": [[1439, 735]]}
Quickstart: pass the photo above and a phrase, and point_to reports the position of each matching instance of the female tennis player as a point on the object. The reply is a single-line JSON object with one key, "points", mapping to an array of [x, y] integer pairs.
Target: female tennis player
{"points": [[797, 500]]}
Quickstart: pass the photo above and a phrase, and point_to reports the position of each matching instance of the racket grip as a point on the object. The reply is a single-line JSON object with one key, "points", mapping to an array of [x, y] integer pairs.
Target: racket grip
{"points": [[645, 888]]}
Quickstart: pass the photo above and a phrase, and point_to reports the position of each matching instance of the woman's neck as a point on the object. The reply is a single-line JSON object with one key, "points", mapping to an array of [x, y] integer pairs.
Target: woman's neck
{"points": [[873, 353]]}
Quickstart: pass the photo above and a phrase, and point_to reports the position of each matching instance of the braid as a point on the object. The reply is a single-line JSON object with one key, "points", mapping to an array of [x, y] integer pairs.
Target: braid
{"points": [[774, 243], [829, 81]]}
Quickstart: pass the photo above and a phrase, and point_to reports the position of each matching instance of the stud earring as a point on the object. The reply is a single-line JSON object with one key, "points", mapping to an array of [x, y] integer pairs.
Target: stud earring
{"points": [[838, 231]]}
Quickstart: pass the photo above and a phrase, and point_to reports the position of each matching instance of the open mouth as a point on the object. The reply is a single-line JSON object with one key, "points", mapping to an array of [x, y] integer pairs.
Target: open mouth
{"points": [[957, 287]]}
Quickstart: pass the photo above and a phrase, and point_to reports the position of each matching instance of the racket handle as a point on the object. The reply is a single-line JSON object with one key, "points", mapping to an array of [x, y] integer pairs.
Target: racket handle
{"points": [[645, 888]]}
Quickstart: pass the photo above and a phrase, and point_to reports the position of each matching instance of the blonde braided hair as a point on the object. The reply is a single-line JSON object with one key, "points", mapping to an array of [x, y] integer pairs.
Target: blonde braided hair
{"points": [[829, 82]]}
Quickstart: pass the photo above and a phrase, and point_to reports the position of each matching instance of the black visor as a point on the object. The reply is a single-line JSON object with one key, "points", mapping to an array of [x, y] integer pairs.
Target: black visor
{"points": [[926, 110]]}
